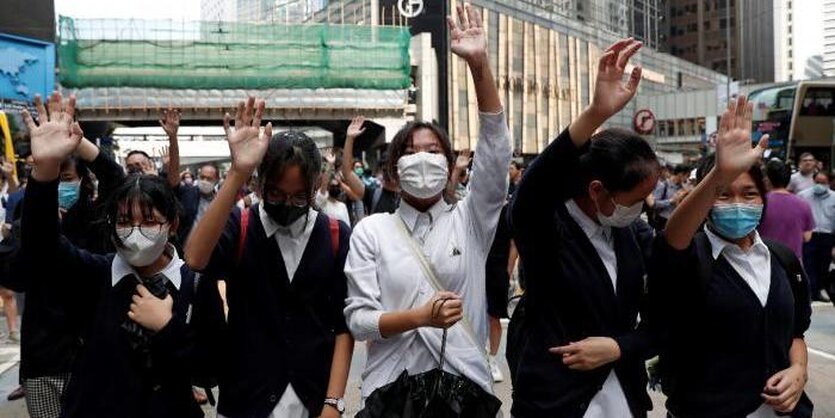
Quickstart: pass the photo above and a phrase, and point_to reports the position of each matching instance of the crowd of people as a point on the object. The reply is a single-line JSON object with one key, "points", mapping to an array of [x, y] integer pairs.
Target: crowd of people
{"points": [[144, 289]]}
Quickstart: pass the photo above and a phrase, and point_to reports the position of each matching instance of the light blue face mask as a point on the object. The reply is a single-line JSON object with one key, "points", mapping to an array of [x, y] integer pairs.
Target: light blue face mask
{"points": [[819, 189], [68, 193], [735, 220]]}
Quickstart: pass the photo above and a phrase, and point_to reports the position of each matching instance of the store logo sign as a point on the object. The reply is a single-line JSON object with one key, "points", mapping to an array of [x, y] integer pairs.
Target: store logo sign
{"points": [[410, 8]]}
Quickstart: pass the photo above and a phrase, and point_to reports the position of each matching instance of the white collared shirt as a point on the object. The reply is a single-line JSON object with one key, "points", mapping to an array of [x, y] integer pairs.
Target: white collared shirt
{"points": [[600, 237], [292, 240], [385, 276], [121, 269], [754, 266], [610, 400]]}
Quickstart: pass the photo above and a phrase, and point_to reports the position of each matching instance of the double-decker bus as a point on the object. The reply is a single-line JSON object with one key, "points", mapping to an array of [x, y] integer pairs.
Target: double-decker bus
{"points": [[798, 117]]}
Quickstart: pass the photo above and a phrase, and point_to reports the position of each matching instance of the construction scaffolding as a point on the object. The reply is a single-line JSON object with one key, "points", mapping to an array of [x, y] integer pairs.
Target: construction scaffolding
{"points": [[227, 55]]}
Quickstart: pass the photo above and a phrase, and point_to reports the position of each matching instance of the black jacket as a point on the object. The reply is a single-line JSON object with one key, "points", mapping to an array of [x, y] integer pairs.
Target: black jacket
{"points": [[280, 332], [569, 296], [50, 337], [111, 378], [718, 345]]}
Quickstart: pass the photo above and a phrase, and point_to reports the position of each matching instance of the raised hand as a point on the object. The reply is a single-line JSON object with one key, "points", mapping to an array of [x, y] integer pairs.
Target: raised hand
{"points": [[329, 157], [246, 143], [734, 153], [55, 136], [611, 94], [355, 129], [463, 160], [170, 121], [467, 36], [164, 156]]}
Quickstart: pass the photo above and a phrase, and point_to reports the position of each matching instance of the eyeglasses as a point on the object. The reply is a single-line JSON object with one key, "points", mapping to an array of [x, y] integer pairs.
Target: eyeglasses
{"points": [[149, 229], [277, 197]]}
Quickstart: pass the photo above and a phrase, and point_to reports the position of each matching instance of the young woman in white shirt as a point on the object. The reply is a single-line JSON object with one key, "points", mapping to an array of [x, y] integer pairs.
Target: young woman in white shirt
{"points": [[390, 299]]}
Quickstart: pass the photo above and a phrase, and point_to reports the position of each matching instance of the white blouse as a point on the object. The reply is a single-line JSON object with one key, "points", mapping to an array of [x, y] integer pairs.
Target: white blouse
{"points": [[385, 276]]}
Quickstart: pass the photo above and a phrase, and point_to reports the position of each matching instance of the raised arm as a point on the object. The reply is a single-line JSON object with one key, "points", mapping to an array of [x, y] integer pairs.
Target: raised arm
{"points": [[550, 179], [247, 146], [488, 187], [353, 181], [170, 122], [109, 173], [461, 163], [10, 176], [734, 156]]}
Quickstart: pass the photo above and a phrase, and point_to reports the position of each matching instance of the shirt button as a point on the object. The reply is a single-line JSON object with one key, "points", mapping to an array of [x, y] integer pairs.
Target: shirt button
{"points": [[273, 398]]}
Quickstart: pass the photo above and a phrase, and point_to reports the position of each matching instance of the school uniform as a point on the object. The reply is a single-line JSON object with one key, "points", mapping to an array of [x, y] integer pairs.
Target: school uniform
{"points": [[115, 374], [582, 280], [285, 291], [721, 337]]}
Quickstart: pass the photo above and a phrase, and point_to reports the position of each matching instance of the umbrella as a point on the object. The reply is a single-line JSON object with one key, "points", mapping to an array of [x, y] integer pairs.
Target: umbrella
{"points": [[433, 394]]}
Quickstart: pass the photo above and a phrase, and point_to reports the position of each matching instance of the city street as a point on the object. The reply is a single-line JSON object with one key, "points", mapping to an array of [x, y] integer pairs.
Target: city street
{"points": [[821, 340]]}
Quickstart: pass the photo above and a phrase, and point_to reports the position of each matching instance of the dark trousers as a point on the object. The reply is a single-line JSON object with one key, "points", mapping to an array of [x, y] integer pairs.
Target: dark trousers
{"points": [[817, 255]]}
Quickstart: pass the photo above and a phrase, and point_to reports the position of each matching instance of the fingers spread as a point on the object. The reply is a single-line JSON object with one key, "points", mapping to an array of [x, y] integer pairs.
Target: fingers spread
{"points": [[27, 119], [42, 115], [625, 55], [259, 113], [71, 107], [239, 115], [634, 79], [617, 46], [462, 18]]}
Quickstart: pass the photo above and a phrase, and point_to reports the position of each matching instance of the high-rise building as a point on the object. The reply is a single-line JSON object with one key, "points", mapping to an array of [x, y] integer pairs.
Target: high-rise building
{"points": [[284, 11], [218, 10], [757, 32], [829, 38]]}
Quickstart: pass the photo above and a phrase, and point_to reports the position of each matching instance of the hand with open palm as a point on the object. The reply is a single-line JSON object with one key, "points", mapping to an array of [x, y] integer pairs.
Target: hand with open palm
{"points": [[355, 129], [610, 93], [734, 153], [467, 36], [55, 137], [247, 144], [170, 121]]}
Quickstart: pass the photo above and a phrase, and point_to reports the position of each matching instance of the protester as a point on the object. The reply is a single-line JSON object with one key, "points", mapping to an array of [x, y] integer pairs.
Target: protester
{"points": [[817, 253], [376, 199], [328, 199], [805, 177], [668, 195], [787, 218], [288, 349], [136, 359], [498, 271], [729, 310], [516, 171], [577, 351], [394, 302], [8, 184]]}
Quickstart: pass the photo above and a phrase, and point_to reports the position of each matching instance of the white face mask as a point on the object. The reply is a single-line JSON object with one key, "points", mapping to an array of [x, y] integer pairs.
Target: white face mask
{"points": [[622, 217], [423, 175], [141, 251], [206, 187]]}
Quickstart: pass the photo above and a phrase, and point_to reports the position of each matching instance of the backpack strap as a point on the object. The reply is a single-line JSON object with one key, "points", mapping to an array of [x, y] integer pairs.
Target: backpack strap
{"points": [[334, 227], [244, 229], [790, 262]]}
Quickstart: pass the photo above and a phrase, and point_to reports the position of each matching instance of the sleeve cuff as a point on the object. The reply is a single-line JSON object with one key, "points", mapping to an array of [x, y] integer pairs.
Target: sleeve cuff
{"points": [[366, 325]]}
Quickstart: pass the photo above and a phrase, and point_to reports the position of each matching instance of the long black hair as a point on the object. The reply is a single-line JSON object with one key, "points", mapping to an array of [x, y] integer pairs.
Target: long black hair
{"points": [[287, 149], [149, 193], [617, 158]]}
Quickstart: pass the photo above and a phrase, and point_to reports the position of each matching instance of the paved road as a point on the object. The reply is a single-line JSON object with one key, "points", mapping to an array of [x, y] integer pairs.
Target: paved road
{"points": [[821, 340]]}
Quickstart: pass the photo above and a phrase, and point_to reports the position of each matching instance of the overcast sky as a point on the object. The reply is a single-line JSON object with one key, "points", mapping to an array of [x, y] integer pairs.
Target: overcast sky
{"points": [[127, 9]]}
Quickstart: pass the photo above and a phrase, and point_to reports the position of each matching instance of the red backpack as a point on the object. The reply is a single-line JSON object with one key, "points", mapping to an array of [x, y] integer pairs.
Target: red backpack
{"points": [[334, 227]]}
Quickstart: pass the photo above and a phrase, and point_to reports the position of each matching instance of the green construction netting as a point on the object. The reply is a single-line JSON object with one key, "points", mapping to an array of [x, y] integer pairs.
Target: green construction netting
{"points": [[225, 55]]}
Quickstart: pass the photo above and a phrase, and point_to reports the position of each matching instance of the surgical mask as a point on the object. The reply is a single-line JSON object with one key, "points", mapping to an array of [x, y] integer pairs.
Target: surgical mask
{"points": [[284, 215], [188, 181], [141, 251], [735, 220], [334, 191], [820, 189], [423, 175], [68, 192], [622, 217], [359, 171], [206, 187]]}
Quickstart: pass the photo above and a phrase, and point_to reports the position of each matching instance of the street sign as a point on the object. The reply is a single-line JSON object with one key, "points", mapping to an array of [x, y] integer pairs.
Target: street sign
{"points": [[644, 122], [410, 8]]}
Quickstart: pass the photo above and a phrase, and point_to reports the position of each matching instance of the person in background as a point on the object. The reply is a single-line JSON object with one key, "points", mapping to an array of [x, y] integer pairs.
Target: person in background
{"points": [[186, 178], [252, 196], [669, 195], [139, 162], [516, 171], [376, 199], [728, 311], [498, 270], [817, 253], [8, 184], [460, 177], [787, 218], [804, 178], [331, 190]]}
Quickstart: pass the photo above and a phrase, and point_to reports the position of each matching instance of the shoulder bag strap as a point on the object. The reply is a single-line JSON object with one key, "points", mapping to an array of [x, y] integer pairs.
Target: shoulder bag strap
{"points": [[432, 278]]}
